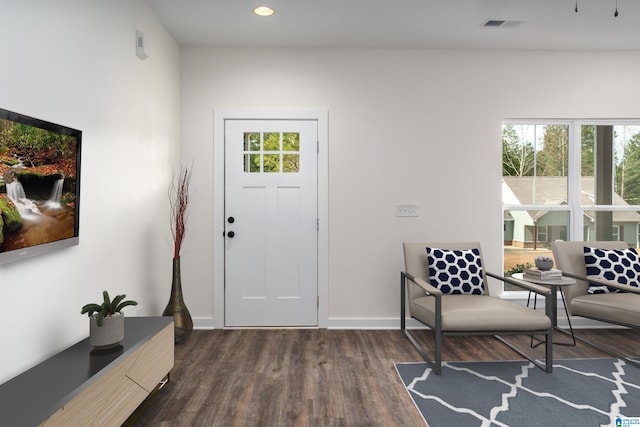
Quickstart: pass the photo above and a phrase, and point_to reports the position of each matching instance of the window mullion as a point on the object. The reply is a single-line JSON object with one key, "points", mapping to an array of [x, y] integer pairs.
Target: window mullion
{"points": [[575, 172]]}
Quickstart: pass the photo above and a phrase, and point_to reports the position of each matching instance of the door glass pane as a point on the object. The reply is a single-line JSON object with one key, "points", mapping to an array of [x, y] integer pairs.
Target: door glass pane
{"points": [[251, 141], [291, 141], [272, 163], [271, 141], [252, 163], [290, 162]]}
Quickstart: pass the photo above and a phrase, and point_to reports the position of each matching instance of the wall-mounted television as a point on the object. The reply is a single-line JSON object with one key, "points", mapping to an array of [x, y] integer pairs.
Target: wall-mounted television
{"points": [[39, 186]]}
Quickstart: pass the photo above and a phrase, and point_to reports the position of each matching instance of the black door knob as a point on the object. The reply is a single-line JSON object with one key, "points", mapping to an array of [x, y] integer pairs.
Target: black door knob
{"points": [[231, 234], [231, 220]]}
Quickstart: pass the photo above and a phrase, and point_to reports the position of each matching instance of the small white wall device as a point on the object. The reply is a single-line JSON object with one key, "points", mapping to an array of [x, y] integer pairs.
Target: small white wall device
{"points": [[141, 45]]}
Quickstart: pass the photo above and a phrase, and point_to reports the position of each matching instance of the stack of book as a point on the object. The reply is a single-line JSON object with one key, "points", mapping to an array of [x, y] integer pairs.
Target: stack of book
{"points": [[535, 272]]}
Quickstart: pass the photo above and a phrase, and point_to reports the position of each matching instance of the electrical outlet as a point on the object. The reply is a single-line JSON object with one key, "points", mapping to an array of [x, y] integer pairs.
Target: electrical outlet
{"points": [[407, 209]]}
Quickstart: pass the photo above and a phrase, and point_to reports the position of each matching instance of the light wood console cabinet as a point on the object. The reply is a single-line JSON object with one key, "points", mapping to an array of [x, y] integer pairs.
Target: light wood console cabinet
{"points": [[76, 387]]}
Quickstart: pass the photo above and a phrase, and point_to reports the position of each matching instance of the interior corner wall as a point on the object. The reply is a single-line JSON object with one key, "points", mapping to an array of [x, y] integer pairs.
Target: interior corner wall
{"points": [[74, 63], [405, 126]]}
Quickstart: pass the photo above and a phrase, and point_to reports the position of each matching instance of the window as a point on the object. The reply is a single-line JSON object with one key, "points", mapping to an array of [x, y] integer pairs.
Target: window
{"points": [[615, 235], [568, 180], [271, 152], [542, 233]]}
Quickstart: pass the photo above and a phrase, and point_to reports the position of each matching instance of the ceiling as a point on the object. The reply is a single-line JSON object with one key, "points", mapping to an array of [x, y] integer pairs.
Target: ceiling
{"points": [[450, 24]]}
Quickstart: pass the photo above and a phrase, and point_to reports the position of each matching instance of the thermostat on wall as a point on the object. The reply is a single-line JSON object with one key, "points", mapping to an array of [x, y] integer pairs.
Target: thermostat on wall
{"points": [[141, 46]]}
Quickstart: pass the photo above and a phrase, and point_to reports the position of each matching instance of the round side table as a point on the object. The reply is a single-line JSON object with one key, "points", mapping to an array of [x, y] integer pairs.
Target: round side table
{"points": [[554, 284]]}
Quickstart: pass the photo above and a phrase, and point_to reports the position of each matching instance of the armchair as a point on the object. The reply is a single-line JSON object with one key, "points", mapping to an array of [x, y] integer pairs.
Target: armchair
{"points": [[603, 303], [450, 295]]}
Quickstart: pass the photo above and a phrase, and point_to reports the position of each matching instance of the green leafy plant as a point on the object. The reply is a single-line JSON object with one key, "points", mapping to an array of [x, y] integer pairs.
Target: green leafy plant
{"points": [[519, 268], [107, 308]]}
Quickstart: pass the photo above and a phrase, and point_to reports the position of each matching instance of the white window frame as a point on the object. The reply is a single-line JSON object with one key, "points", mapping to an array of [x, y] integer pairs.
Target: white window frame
{"points": [[576, 210]]}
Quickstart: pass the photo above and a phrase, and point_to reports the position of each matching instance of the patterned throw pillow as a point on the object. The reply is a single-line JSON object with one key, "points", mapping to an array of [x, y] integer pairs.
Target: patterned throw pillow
{"points": [[617, 265], [456, 271]]}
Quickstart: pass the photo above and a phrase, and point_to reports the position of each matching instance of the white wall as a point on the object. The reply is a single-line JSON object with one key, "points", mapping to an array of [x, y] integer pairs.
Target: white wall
{"points": [[73, 62], [405, 126]]}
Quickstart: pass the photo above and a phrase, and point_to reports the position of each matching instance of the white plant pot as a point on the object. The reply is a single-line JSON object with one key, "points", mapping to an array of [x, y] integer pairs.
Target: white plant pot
{"points": [[109, 335]]}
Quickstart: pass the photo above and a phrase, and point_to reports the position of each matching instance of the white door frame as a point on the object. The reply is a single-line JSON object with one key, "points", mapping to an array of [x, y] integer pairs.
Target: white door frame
{"points": [[322, 117]]}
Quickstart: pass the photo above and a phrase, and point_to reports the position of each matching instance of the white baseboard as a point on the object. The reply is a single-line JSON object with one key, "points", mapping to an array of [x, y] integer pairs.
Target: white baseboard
{"points": [[389, 323], [203, 323]]}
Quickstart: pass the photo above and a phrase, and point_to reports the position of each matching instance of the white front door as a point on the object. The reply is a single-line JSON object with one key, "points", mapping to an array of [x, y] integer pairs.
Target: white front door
{"points": [[271, 230]]}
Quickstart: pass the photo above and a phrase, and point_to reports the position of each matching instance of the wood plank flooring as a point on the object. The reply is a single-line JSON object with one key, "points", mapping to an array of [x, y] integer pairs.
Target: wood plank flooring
{"points": [[317, 377]]}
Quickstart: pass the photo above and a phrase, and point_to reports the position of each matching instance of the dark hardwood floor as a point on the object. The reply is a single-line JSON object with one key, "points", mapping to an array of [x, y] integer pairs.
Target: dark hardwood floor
{"points": [[318, 377]]}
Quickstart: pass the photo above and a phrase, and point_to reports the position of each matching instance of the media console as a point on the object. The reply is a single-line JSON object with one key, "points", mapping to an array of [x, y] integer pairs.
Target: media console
{"points": [[78, 387]]}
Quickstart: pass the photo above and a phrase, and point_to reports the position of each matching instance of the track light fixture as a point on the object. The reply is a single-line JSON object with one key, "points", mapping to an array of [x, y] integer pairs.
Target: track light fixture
{"points": [[615, 14]]}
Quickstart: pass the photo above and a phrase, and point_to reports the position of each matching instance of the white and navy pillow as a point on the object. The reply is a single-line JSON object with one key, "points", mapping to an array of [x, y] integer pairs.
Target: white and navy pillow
{"points": [[456, 271], [618, 265]]}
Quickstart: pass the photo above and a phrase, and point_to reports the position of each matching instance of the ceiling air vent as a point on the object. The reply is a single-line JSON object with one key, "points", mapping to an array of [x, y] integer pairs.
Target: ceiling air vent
{"points": [[495, 23]]}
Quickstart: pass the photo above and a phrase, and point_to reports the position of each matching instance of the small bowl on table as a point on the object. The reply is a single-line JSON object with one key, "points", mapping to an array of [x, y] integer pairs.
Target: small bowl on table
{"points": [[544, 264]]}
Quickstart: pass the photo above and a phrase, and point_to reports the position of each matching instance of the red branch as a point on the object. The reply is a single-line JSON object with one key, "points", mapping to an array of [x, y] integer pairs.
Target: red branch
{"points": [[179, 200]]}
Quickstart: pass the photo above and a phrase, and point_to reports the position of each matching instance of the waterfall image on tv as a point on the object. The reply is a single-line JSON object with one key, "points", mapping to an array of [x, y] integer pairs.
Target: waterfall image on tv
{"points": [[39, 186]]}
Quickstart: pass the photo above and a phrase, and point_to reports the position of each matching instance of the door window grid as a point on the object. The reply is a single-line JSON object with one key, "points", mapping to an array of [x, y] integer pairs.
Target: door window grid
{"points": [[271, 152]]}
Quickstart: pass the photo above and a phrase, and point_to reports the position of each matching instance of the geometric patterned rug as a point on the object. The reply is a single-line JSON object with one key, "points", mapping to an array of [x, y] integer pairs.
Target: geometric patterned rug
{"points": [[579, 392]]}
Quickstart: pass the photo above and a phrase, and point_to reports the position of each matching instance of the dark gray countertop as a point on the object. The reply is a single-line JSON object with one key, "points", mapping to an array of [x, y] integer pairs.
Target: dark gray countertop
{"points": [[30, 398]]}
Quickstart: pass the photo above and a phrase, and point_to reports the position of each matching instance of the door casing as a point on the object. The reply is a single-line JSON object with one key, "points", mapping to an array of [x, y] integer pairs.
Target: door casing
{"points": [[321, 116]]}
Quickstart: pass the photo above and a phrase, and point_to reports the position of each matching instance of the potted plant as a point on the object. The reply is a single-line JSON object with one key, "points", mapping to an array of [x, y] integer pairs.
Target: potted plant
{"points": [[544, 262], [179, 199], [106, 321]]}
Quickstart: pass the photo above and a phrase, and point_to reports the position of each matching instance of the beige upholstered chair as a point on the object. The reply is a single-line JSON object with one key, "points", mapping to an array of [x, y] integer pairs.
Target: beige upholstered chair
{"points": [[616, 308], [466, 314]]}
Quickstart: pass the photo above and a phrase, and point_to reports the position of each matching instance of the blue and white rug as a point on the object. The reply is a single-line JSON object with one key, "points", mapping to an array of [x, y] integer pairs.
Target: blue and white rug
{"points": [[579, 392]]}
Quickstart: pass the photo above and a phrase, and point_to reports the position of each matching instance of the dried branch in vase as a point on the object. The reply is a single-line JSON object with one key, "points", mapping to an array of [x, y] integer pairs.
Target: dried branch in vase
{"points": [[179, 200]]}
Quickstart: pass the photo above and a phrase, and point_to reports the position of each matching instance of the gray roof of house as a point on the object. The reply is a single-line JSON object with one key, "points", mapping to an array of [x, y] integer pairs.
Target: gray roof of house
{"points": [[552, 190]]}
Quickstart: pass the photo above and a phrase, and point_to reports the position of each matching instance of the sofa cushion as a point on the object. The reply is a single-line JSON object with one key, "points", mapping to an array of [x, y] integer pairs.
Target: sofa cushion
{"points": [[456, 271], [617, 265]]}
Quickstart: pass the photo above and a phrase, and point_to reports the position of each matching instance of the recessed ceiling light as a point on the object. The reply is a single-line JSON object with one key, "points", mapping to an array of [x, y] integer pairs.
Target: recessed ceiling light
{"points": [[263, 11]]}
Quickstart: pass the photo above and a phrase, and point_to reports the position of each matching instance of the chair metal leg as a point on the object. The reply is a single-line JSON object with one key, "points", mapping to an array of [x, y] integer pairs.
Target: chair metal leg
{"points": [[535, 303], [436, 365], [566, 311], [548, 342]]}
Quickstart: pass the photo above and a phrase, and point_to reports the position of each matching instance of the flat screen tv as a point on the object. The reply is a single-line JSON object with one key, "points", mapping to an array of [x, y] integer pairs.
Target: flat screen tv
{"points": [[39, 186]]}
